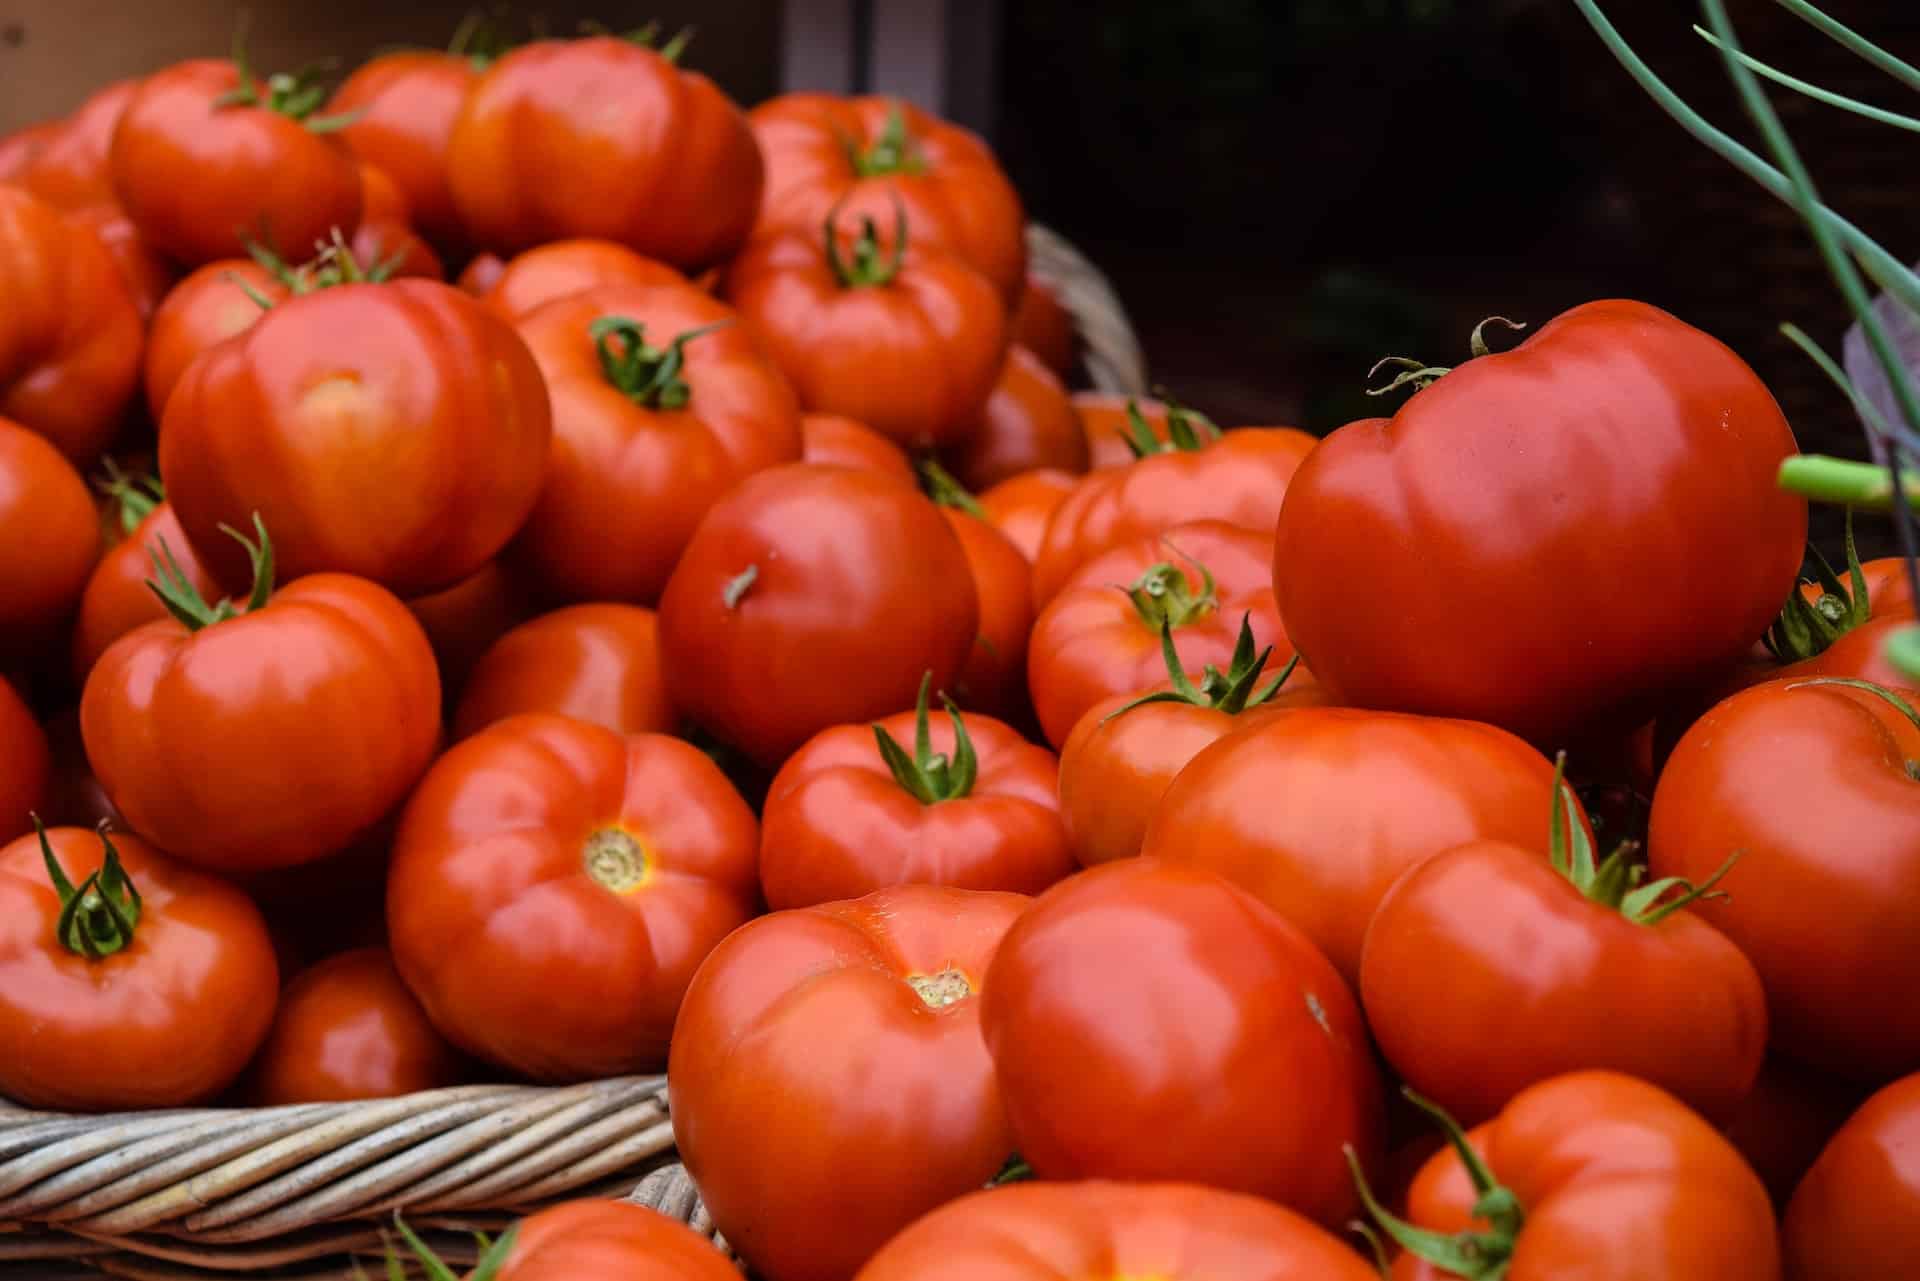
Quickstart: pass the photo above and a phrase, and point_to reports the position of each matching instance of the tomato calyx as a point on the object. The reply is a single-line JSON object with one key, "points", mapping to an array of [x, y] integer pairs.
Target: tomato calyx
{"points": [[646, 37], [944, 489], [1808, 628], [98, 917], [929, 776], [1474, 1256], [892, 152], [1016, 1170], [1188, 431], [131, 496], [1616, 881], [493, 1255], [1420, 375], [1232, 691], [184, 601], [1164, 596], [649, 376], [295, 95], [335, 264], [937, 991], [480, 39], [868, 268], [615, 860]]}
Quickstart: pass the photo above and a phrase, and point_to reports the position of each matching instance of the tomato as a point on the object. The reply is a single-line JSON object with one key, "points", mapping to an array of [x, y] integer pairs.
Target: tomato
{"points": [[828, 1082], [403, 106], [600, 137], [1319, 810], [147, 275], [1100, 635], [49, 526], [905, 337], [838, 441], [862, 154], [567, 267], [1615, 438], [1084, 1231], [1107, 421], [813, 596], [1857, 1213], [1265, 1094], [591, 1238], [1238, 477], [347, 1028], [157, 994], [211, 305], [1043, 325], [660, 406], [994, 679], [117, 598], [1787, 1120], [25, 767], [598, 663], [482, 274], [19, 148], [1020, 506], [70, 170], [206, 156], [554, 886], [463, 621], [69, 333], [267, 734], [1778, 771], [1599, 1176], [1028, 424], [1487, 969], [385, 241], [413, 382]]}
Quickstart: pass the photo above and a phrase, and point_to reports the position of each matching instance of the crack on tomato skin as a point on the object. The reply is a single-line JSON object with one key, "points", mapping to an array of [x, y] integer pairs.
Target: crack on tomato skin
{"points": [[615, 860], [942, 989]]}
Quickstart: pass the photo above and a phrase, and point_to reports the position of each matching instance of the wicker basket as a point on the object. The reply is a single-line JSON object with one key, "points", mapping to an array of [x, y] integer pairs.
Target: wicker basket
{"points": [[301, 1192]]}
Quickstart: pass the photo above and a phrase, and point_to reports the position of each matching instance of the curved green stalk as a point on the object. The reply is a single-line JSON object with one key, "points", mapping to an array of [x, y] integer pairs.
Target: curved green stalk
{"points": [[1879, 115]]}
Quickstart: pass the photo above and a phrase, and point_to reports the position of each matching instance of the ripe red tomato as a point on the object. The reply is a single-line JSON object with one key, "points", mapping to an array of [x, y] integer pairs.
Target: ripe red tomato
{"points": [[117, 598], [601, 137], [591, 1238], [1616, 437], [828, 1082], [69, 170], [69, 332], [266, 734], [1787, 1120], [206, 156], [481, 274], [1108, 424], [143, 270], [403, 105], [463, 621], [814, 596], [25, 767], [1167, 1231], [1265, 1094], [564, 268], [905, 337], [598, 663], [555, 885], [1100, 635], [1021, 506], [347, 1028], [1777, 771], [1857, 1213], [861, 154], [1043, 325], [837, 441], [19, 148], [1028, 424], [211, 305], [660, 406], [385, 244], [994, 679], [413, 382], [157, 993], [49, 525], [1319, 810]]}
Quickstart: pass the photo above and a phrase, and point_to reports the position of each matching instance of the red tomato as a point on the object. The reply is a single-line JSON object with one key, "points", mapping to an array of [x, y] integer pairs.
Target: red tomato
{"points": [[588, 1238], [1614, 438], [385, 244], [1028, 424], [568, 267], [828, 1082], [156, 996], [147, 275], [1167, 1231], [19, 148], [205, 157], [69, 332], [202, 311], [600, 137], [1021, 506], [598, 663], [814, 596], [269, 734], [1265, 1094], [48, 523], [1857, 1213], [994, 679], [1043, 325], [117, 598], [660, 406], [463, 621], [1108, 425], [555, 885], [70, 170], [412, 382], [841, 442], [1100, 635], [1319, 810], [907, 338], [862, 154], [480, 275], [1786, 1121], [348, 1028], [406, 103], [25, 767], [1778, 771], [1615, 1180]]}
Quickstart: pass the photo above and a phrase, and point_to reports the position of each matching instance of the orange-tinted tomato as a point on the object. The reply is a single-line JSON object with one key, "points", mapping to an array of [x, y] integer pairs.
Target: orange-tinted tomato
{"points": [[1104, 419], [588, 1239], [598, 663], [1021, 506]]}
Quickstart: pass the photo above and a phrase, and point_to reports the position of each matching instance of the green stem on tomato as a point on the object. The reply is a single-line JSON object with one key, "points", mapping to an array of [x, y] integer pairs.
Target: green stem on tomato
{"points": [[183, 600], [1232, 691], [893, 152], [929, 776], [649, 376], [944, 489], [1474, 1256], [98, 917], [1163, 595], [868, 268]]}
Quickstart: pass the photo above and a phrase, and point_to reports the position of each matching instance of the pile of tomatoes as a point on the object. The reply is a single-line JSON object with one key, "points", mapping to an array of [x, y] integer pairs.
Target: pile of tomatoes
{"points": [[709, 636]]}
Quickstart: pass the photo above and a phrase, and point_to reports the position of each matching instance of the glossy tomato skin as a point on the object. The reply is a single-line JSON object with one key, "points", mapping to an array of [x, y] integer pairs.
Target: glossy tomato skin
{"points": [[411, 381], [1043, 325], [1487, 945], [347, 1028], [1619, 1181], [994, 679], [662, 161], [48, 524], [745, 610], [838, 441], [1106, 424], [1319, 810], [598, 663], [1028, 424], [1778, 772], [70, 170], [590, 1238], [206, 308], [143, 270], [1857, 1213], [117, 599], [1787, 1120], [463, 621], [198, 178], [1614, 438], [828, 1082], [1021, 506], [385, 241], [69, 333], [563, 268], [270, 739], [629, 482], [407, 102], [1267, 1093], [1168, 1231], [555, 884], [953, 190], [168, 1021], [25, 765]]}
